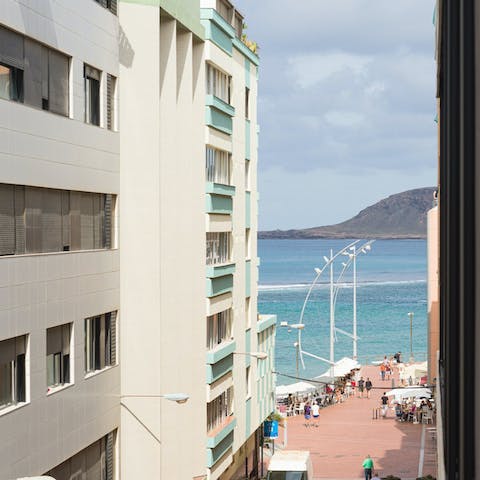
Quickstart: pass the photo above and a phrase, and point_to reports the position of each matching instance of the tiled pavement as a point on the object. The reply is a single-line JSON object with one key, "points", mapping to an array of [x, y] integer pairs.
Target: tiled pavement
{"points": [[346, 433]]}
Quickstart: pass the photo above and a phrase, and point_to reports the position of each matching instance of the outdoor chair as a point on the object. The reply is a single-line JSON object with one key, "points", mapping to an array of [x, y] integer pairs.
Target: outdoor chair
{"points": [[427, 417]]}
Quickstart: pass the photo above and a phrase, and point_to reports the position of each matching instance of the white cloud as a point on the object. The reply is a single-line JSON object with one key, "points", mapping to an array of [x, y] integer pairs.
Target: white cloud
{"points": [[344, 119], [311, 69]]}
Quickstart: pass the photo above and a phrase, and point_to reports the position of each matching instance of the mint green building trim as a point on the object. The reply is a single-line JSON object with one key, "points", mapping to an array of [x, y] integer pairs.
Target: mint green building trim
{"points": [[220, 352], [214, 271], [247, 139], [248, 213], [220, 120], [214, 441], [221, 204], [265, 322], [247, 72], [242, 48], [217, 29], [214, 454], [219, 104], [187, 12], [220, 189], [219, 285], [248, 277], [248, 417], [219, 369]]}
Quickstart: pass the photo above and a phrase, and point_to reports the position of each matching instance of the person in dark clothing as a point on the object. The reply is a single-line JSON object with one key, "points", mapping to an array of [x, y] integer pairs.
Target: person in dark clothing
{"points": [[368, 386], [361, 385], [384, 401]]}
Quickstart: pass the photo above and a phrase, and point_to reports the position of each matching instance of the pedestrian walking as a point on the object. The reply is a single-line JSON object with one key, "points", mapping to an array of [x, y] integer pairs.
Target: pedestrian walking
{"points": [[315, 413], [368, 467], [361, 385], [384, 402], [307, 413], [368, 386], [383, 368]]}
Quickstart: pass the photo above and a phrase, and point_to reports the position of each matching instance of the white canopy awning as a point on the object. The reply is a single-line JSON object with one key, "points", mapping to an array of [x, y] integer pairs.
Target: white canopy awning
{"points": [[340, 369], [411, 392], [299, 387]]}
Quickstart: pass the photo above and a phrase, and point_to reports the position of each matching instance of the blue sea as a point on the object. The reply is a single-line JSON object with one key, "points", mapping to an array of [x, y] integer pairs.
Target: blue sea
{"points": [[391, 281]]}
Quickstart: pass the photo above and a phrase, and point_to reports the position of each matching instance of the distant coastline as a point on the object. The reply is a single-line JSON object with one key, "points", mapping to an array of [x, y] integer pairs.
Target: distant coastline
{"points": [[401, 216]]}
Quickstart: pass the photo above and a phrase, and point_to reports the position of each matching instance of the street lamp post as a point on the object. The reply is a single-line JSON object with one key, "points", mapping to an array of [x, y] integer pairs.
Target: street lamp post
{"points": [[410, 315]]}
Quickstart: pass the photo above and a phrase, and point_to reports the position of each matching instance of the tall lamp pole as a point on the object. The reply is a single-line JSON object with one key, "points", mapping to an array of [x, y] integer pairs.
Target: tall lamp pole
{"points": [[410, 315]]}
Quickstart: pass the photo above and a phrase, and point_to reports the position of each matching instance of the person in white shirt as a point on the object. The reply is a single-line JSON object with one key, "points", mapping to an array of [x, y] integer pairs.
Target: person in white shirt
{"points": [[315, 412]]}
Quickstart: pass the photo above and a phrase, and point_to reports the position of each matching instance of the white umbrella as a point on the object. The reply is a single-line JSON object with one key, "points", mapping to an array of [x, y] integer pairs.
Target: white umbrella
{"points": [[340, 369], [399, 393], [299, 387]]}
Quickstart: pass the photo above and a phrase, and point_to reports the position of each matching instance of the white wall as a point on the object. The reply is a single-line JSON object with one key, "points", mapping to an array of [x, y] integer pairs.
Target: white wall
{"points": [[43, 290]]}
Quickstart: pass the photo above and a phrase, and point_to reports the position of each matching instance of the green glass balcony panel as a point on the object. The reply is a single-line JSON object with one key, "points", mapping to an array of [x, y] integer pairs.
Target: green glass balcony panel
{"points": [[214, 271], [215, 440], [219, 369], [219, 104], [220, 189], [219, 285], [265, 321], [217, 29], [219, 120], [242, 48], [221, 204], [214, 454], [220, 352]]}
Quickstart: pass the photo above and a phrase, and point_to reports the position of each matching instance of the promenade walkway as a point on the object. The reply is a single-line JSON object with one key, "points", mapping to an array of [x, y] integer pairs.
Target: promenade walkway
{"points": [[346, 433]]}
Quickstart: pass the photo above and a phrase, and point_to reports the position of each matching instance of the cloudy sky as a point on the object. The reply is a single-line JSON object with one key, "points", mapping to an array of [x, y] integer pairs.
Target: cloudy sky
{"points": [[346, 105]]}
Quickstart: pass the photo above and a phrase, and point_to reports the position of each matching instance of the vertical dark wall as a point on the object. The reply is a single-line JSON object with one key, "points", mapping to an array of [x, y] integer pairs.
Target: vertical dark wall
{"points": [[458, 236]]}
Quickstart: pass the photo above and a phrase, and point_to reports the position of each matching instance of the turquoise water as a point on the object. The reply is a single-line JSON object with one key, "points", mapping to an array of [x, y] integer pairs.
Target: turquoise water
{"points": [[391, 281]]}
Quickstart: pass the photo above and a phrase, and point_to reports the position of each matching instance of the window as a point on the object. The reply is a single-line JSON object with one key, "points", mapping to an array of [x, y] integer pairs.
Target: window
{"points": [[12, 371], [218, 248], [33, 73], [247, 103], [58, 355], [247, 243], [248, 382], [12, 65], [219, 409], [238, 25], [225, 9], [111, 111], [92, 78], [218, 83], [97, 461], [218, 164], [219, 328], [100, 342], [109, 5], [40, 220]]}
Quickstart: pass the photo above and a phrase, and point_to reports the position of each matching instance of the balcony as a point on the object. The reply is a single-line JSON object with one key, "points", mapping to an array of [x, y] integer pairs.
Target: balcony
{"points": [[265, 321], [220, 204], [221, 351], [220, 189], [215, 271], [221, 367], [220, 440]]}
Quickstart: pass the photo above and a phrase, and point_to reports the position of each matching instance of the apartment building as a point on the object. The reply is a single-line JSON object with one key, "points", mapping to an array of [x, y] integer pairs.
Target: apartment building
{"points": [[128, 254], [239, 384], [59, 262]]}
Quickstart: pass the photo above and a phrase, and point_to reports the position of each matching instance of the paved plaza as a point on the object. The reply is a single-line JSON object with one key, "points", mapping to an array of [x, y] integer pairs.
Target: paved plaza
{"points": [[346, 433]]}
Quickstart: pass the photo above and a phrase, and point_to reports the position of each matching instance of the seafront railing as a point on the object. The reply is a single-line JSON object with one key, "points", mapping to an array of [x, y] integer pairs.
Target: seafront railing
{"points": [[368, 359]]}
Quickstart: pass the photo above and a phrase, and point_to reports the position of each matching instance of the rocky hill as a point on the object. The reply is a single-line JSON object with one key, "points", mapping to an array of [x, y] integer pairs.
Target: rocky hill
{"points": [[403, 215]]}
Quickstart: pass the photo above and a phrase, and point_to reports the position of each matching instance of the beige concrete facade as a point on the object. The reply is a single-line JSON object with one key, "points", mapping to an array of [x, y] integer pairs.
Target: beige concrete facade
{"points": [[162, 246], [42, 290]]}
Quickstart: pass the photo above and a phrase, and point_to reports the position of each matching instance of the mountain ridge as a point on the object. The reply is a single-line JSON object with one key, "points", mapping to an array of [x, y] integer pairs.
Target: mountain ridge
{"points": [[399, 216]]}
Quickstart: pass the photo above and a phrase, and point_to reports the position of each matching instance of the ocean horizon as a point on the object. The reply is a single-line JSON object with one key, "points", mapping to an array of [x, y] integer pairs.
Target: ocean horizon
{"points": [[391, 282]]}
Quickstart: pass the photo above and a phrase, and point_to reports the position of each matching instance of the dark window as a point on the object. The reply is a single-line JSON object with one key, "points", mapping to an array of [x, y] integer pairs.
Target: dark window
{"points": [[247, 103], [12, 371], [41, 220], [111, 85], [92, 95], [100, 342], [58, 355]]}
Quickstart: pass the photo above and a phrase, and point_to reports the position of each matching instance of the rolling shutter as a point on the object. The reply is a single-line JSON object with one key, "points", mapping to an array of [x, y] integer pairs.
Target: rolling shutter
{"points": [[11, 48], [51, 220], [36, 70], [86, 221], [110, 101], [108, 221], [7, 220], [113, 338], [109, 456], [33, 232], [58, 82], [19, 219]]}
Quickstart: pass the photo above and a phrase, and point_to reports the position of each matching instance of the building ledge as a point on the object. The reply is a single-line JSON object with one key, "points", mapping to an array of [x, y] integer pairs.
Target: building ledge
{"points": [[214, 271], [265, 321], [220, 189], [219, 104], [221, 351], [215, 436]]}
